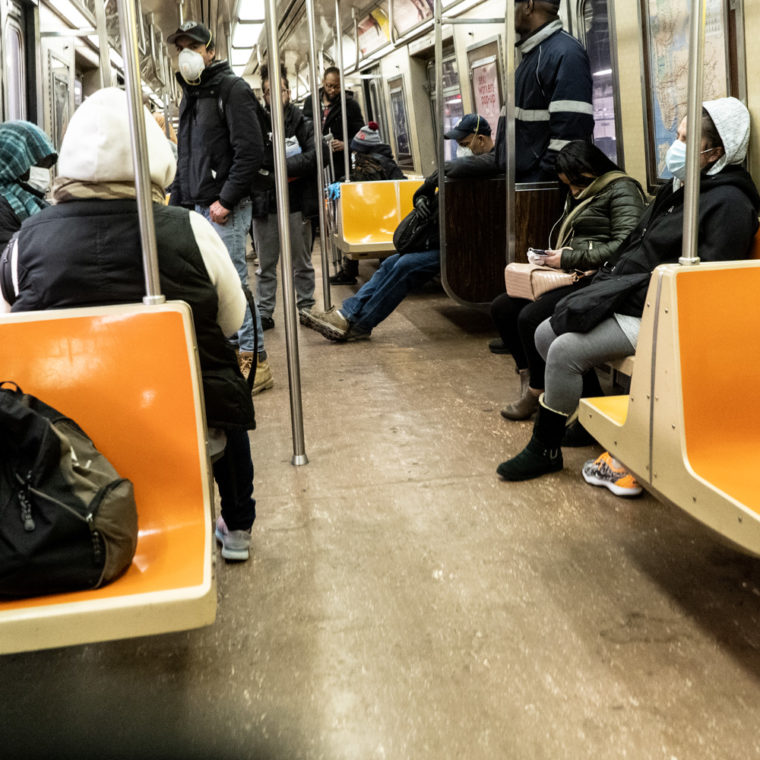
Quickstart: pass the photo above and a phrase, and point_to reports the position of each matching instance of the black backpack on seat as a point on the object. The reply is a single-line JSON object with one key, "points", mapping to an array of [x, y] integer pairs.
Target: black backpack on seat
{"points": [[67, 520]]}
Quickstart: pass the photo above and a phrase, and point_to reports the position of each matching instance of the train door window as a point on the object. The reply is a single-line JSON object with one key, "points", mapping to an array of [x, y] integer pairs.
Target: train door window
{"points": [[14, 70], [60, 97], [373, 97], [453, 110], [401, 124], [485, 78], [596, 35]]}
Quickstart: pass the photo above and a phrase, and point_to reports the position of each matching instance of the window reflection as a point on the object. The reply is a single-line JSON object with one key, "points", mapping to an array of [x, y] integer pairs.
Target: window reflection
{"points": [[595, 16]]}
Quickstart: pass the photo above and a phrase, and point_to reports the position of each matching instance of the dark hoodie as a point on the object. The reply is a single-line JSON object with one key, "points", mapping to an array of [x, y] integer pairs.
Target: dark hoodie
{"points": [[301, 167]]}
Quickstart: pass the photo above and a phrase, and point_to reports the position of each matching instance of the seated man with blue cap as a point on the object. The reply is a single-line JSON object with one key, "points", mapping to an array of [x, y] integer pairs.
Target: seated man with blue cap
{"points": [[398, 274]]}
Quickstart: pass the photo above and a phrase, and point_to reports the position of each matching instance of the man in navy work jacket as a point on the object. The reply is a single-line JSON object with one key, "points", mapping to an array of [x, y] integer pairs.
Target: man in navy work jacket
{"points": [[552, 92], [220, 151]]}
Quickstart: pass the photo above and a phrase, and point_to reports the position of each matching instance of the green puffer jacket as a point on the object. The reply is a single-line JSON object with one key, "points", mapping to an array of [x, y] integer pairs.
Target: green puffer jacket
{"points": [[595, 223]]}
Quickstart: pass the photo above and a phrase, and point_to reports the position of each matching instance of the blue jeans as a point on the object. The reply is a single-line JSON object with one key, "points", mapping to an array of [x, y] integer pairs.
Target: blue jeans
{"points": [[233, 473], [387, 288], [233, 235]]}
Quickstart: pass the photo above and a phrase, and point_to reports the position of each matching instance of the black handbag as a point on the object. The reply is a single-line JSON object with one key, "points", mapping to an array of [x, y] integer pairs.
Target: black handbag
{"points": [[582, 311], [414, 235]]}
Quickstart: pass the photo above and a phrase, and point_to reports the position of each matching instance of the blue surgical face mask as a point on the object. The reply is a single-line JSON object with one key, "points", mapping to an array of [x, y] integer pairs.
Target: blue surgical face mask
{"points": [[675, 159]]}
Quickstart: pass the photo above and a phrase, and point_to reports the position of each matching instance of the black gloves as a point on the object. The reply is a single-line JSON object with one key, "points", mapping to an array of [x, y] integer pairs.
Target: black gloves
{"points": [[423, 208]]}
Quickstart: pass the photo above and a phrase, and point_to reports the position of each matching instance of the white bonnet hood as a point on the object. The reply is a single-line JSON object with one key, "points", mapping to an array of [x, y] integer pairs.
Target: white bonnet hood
{"points": [[97, 146], [731, 119]]}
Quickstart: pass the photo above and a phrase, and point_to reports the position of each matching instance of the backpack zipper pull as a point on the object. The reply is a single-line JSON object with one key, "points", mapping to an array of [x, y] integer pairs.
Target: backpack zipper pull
{"points": [[25, 502]]}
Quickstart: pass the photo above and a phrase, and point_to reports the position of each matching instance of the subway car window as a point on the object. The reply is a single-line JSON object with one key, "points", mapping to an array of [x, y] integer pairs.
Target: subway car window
{"points": [[15, 72], [453, 110], [596, 25]]}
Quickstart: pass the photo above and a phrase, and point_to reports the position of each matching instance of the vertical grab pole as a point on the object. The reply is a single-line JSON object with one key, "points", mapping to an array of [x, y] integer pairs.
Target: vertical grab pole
{"points": [[283, 220], [509, 126], [689, 251], [139, 151], [103, 47], [343, 116], [319, 148], [440, 156]]}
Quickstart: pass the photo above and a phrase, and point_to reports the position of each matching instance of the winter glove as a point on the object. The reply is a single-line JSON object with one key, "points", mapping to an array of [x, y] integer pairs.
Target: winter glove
{"points": [[422, 207]]}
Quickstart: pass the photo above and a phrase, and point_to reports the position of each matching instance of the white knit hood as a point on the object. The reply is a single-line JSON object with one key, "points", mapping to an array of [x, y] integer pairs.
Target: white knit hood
{"points": [[97, 146], [731, 119]]}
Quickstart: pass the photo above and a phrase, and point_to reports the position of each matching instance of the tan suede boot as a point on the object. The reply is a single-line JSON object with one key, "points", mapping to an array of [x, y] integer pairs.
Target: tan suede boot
{"points": [[525, 407]]}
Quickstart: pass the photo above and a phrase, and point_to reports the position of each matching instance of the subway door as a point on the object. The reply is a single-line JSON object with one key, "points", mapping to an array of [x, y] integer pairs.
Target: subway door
{"points": [[58, 68], [19, 21]]}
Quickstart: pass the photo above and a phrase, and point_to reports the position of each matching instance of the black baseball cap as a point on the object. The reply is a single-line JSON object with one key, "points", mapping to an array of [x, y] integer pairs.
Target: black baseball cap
{"points": [[194, 31], [472, 124]]}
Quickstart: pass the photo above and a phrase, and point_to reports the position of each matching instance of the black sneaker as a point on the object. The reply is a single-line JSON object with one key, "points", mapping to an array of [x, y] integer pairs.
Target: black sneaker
{"points": [[343, 278], [267, 323], [496, 346]]}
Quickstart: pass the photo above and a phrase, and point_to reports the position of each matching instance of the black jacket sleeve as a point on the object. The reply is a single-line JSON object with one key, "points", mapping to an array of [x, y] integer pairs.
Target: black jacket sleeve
{"points": [[303, 164], [246, 143]]}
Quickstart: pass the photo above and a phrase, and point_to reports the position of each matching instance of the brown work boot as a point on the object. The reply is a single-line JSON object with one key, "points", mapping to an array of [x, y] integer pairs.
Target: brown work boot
{"points": [[263, 380], [245, 362]]}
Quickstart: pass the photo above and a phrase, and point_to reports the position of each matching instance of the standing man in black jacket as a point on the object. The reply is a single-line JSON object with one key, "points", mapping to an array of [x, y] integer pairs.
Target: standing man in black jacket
{"points": [[332, 123], [302, 164], [219, 154]]}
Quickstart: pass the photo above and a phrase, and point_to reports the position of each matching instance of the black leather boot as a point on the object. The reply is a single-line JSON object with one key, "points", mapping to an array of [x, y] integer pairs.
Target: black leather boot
{"points": [[543, 454]]}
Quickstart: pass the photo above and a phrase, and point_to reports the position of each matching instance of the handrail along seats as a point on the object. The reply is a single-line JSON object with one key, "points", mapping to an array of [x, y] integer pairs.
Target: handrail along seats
{"points": [[129, 376]]}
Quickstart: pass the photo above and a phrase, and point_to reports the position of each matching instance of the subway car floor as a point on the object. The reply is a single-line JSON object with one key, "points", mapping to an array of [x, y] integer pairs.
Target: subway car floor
{"points": [[403, 602]]}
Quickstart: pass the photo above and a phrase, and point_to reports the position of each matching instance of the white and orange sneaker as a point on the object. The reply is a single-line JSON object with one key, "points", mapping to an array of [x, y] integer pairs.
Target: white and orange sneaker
{"points": [[607, 471]]}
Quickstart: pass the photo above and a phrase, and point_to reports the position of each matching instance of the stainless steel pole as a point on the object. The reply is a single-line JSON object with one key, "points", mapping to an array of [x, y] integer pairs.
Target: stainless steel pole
{"points": [[689, 251], [319, 147], [103, 47], [139, 151], [509, 126], [440, 154], [343, 116], [283, 219]]}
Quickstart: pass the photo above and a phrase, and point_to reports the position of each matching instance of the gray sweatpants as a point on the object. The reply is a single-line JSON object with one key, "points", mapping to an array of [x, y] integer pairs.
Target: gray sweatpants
{"points": [[266, 239], [569, 356]]}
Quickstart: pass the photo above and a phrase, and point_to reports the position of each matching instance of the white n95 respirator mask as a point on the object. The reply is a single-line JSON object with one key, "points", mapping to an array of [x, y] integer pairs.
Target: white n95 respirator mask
{"points": [[191, 65]]}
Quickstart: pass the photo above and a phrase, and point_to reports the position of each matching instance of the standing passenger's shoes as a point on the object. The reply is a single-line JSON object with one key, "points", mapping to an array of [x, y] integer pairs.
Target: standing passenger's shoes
{"points": [[235, 544], [245, 362], [267, 323], [496, 346], [603, 472], [263, 379]]}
